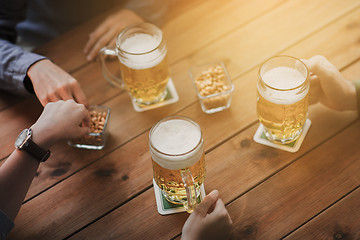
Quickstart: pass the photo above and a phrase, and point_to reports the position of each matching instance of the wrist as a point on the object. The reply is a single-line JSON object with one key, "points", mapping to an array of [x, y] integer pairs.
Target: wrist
{"points": [[33, 70], [42, 137]]}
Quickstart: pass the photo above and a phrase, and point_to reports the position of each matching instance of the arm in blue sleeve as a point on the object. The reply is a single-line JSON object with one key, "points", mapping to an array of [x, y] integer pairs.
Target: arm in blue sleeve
{"points": [[5, 225], [14, 61], [14, 64]]}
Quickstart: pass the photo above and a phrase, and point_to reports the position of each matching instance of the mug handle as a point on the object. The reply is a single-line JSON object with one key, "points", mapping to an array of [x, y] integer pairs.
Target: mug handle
{"points": [[110, 77], [191, 194]]}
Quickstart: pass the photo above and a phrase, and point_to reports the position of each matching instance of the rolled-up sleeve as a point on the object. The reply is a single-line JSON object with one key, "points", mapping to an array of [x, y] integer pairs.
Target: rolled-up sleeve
{"points": [[14, 61], [5, 225]]}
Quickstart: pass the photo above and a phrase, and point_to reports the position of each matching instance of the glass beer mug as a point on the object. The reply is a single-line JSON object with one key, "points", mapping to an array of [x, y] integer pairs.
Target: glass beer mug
{"points": [[141, 50], [177, 151], [282, 99]]}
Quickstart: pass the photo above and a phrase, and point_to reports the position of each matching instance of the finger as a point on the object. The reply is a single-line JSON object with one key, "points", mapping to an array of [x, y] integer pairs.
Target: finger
{"points": [[113, 42], [315, 89], [220, 210], [94, 36], [321, 66], [86, 118], [64, 93], [305, 61], [53, 97], [208, 201], [101, 42], [92, 40], [43, 100], [219, 207], [79, 95]]}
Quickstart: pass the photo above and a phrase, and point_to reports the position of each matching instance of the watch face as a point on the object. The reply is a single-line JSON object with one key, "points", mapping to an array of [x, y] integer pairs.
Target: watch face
{"points": [[21, 138]]}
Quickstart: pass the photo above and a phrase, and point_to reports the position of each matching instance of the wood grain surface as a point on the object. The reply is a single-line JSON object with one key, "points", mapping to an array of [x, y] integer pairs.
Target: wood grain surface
{"points": [[269, 193]]}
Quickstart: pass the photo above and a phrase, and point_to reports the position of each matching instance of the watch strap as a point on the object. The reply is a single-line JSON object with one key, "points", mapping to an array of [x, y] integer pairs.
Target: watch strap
{"points": [[37, 152]]}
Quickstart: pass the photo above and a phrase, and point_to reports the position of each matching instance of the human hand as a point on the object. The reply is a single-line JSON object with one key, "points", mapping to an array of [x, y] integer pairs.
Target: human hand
{"points": [[51, 83], [61, 120], [106, 33], [328, 85], [210, 220]]}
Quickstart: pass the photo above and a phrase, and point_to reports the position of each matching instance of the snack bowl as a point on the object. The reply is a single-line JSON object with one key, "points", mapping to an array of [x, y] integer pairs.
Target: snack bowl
{"points": [[96, 139], [213, 86]]}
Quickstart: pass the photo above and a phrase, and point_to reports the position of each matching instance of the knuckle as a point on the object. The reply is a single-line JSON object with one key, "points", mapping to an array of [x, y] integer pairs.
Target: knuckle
{"points": [[319, 58]]}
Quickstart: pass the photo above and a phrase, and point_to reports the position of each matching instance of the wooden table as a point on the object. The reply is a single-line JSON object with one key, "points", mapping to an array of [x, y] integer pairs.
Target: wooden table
{"points": [[270, 194]]}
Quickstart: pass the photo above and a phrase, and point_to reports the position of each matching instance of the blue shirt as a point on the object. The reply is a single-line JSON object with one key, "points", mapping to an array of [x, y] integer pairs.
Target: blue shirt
{"points": [[5, 225], [36, 22]]}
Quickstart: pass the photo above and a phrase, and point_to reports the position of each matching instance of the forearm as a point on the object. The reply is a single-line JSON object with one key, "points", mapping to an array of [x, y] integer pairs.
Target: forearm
{"points": [[16, 175]]}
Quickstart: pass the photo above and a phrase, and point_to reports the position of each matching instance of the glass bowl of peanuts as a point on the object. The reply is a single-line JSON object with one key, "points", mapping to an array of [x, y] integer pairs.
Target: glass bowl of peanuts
{"points": [[213, 86], [99, 116]]}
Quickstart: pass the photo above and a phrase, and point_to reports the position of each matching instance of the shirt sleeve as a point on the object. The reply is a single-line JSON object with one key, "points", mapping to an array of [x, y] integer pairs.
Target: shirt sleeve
{"points": [[14, 61], [5, 225], [14, 64]]}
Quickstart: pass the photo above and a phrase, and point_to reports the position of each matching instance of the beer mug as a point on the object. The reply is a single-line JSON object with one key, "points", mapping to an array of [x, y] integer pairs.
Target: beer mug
{"points": [[141, 50], [282, 98], [177, 151]]}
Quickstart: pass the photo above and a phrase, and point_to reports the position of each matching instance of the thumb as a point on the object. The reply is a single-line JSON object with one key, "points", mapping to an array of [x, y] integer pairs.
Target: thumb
{"points": [[315, 89], [208, 201], [83, 131]]}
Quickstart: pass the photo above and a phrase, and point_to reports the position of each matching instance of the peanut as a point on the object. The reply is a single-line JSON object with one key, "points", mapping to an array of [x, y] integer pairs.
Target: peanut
{"points": [[212, 81], [97, 121]]}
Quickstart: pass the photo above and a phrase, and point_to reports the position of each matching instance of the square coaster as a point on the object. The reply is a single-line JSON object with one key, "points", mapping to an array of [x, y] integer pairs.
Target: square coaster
{"points": [[165, 208], [260, 137], [170, 98]]}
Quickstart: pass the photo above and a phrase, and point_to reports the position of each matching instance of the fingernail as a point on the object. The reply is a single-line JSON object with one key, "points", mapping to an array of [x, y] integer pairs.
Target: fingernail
{"points": [[215, 192], [89, 58]]}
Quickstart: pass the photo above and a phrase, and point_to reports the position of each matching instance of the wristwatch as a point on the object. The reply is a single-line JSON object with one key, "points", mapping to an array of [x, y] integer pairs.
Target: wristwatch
{"points": [[24, 142]]}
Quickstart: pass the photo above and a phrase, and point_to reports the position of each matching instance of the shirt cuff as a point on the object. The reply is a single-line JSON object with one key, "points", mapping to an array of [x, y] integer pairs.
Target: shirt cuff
{"points": [[19, 68], [5, 225]]}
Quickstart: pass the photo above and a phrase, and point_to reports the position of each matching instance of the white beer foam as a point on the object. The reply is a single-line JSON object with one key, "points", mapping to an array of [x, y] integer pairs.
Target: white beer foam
{"points": [[176, 137], [283, 78], [142, 43]]}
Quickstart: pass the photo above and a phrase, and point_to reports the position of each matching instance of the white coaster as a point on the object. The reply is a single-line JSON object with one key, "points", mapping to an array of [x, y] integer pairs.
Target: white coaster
{"points": [[170, 98], [164, 207], [260, 137]]}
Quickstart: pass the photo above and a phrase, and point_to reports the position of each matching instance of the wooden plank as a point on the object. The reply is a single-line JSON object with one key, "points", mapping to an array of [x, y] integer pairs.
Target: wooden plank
{"points": [[241, 114], [261, 212], [300, 191], [94, 85], [270, 34], [127, 171], [74, 41], [123, 115], [340, 221], [8, 99], [241, 159], [213, 20]]}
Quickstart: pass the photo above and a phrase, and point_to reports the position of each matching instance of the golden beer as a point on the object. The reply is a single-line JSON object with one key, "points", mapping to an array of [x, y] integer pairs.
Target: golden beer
{"points": [[282, 102], [176, 147], [143, 63], [147, 85], [170, 181], [141, 50]]}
